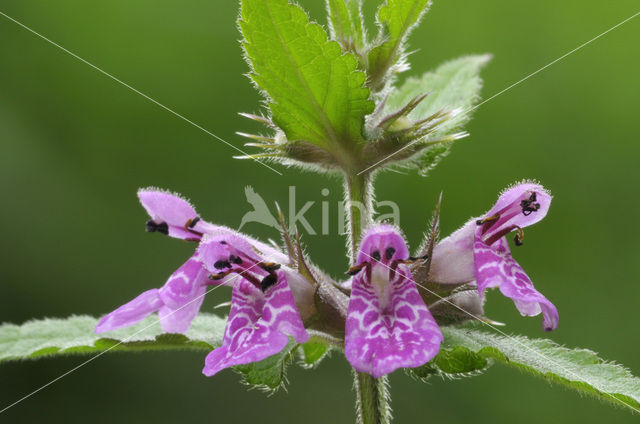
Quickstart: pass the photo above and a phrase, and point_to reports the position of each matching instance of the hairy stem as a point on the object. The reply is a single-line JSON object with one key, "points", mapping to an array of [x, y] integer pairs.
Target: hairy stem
{"points": [[373, 398], [359, 197]]}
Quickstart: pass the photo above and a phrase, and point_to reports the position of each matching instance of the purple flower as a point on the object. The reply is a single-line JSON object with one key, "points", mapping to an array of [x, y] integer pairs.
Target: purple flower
{"points": [[174, 216], [388, 325], [263, 310], [479, 251], [240, 259], [177, 302]]}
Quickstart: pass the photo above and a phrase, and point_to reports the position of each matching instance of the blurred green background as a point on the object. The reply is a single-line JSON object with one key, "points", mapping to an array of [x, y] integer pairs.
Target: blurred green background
{"points": [[75, 146]]}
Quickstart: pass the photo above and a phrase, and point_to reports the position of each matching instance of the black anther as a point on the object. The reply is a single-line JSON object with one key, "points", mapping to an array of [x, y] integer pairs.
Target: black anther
{"points": [[221, 264], [267, 282], [152, 227], [528, 205], [388, 253]]}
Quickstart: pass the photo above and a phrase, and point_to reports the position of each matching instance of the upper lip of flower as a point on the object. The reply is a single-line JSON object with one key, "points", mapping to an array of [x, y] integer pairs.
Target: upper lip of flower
{"points": [[513, 214], [223, 255]]}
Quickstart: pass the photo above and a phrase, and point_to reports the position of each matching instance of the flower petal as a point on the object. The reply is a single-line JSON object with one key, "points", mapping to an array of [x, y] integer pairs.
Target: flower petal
{"points": [[452, 258], [383, 335], [510, 208], [496, 267], [182, 296], [379, 238], [259, 325], [221, 245], [172, 210], [303, 292], [131, 312], [388, 326]]}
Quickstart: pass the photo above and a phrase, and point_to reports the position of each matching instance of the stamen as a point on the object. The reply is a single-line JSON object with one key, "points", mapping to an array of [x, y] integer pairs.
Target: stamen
{"points": [[243, 273], [221, 264], [356, 268], [220, 275], [152, 227], [412, 259], [528, 205], [269, 266], [268, 281], [388, 253], [376, 255], [503, 232], [491, 218], [235, 259], [519, 237], [191, 223]]}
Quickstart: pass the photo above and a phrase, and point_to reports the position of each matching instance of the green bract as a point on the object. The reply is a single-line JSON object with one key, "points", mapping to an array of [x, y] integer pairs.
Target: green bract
{"points": [[453, 86]]}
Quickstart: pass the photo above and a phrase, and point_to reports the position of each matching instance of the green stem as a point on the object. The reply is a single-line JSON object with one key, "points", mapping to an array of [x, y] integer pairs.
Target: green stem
{"points": [[359, 208], [372, 394], [373, 399]]}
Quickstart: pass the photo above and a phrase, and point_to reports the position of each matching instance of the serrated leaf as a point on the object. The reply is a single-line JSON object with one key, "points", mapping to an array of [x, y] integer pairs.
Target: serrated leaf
{"points": [[268, 374], [580, 369], [75, 335], [396, 19], [345, 23], [313, 352], [452, 363], [315, 92], [454, 85]]}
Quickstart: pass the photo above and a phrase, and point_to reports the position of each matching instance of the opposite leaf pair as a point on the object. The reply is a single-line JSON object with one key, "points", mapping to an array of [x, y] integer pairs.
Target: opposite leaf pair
{"points": [[388, 325]]}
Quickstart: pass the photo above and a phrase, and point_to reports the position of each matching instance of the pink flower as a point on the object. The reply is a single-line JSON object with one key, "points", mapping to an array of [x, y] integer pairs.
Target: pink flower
{"points": [[263, 308], [479, 251], [388, 325]]}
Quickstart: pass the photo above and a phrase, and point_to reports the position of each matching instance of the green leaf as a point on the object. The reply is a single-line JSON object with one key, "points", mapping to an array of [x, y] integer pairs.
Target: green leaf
{"points": [[268, 374], [396, 19], [452, 363], [315, 92], [432, 157], [75, 335], [454, 85], [465, 349], [313, 352], [345, 23]]}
